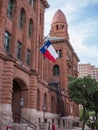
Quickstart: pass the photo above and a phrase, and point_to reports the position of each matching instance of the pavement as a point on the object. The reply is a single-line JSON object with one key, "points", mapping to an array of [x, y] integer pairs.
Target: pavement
{"points": [[75, 128]]}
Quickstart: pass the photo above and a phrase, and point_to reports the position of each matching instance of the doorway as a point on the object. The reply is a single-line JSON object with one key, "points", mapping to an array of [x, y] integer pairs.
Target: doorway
{"points": [[19, 92]]}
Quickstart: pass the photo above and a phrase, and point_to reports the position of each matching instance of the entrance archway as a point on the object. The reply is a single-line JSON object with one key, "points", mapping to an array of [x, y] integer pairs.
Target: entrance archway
{"points": [[18, 93]]}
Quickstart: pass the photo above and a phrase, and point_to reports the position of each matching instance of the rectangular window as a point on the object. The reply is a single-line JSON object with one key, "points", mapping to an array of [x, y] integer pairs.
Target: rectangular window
{"points": [[10, 9], [59, 53], [19, 48], [28, 57], [7, 41]]}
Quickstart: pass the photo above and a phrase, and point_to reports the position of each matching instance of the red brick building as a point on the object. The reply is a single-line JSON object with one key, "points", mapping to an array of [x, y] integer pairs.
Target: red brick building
{"points": [[24, 73]]}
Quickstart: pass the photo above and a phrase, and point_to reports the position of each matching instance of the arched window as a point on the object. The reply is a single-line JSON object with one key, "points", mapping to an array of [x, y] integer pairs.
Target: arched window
{"points": [[30, 29], [38, 99], [11, 8], [56, 70], [22, 18]]}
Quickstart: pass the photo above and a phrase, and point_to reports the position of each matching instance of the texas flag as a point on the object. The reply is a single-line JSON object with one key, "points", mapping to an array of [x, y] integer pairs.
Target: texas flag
{"points": [[48, 51]]}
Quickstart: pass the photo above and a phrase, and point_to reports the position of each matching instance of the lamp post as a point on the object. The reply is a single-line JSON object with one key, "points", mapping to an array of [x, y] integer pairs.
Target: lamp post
{"points": [[21, 101], [21, 105], [44, 109]]}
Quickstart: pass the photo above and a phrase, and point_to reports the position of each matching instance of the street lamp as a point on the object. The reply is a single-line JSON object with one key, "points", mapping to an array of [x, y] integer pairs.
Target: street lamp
{"points": [[21, 105], [44, 109], [21, 102]]}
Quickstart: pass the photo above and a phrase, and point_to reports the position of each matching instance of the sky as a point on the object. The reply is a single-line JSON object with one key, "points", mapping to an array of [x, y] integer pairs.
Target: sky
{"points": [[82, 20]]}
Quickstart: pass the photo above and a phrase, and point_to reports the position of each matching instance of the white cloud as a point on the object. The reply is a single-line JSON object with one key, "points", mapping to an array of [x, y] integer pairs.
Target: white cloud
{"points": [[79, 35], [79, 32]]}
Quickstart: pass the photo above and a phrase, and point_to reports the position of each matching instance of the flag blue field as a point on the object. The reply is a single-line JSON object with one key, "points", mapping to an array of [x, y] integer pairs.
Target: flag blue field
{"points": [[49, 52]]}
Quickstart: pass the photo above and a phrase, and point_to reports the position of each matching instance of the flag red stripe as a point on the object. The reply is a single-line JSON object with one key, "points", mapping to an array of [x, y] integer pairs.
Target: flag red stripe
{"points": [[49, 56]]}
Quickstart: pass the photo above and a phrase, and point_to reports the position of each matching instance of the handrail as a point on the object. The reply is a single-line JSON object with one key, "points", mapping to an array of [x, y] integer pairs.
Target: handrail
{"points": [[31, 125], [23, 120]]}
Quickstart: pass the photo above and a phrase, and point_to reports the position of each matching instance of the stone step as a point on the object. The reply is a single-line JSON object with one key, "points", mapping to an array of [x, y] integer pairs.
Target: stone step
{"points": [[20, 126], [28, 128]]}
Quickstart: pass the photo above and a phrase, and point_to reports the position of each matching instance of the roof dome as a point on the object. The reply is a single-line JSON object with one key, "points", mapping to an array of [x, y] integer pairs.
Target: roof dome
{"points": [[59, 27], [59, 17]]}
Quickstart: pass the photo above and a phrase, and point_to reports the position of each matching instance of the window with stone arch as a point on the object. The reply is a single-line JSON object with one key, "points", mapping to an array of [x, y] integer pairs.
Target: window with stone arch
{"points": [[22, 18], [56, 70], [38, 100], [11, 8], [30, 28]]}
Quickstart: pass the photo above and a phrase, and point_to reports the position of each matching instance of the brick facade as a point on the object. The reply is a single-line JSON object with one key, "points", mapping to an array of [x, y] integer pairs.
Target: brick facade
{"points": [[30, 82]]}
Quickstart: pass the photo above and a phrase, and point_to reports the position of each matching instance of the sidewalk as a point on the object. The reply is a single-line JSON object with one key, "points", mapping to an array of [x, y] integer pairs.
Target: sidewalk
{"points": [[75, 128]]}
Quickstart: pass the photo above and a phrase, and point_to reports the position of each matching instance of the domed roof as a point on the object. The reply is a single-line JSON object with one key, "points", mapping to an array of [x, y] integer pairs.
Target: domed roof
{"points": [[59, 17]]}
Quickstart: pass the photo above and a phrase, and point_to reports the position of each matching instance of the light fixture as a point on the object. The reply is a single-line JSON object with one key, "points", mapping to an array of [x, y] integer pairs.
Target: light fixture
{"points": [[21, 101]]}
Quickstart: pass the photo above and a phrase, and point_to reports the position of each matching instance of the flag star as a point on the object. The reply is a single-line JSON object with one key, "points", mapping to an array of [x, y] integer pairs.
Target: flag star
{"points": [[45, 47]]}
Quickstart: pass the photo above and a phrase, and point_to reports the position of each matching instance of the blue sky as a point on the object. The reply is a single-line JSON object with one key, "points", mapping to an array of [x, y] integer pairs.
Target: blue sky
{"points": [[82, 19]]}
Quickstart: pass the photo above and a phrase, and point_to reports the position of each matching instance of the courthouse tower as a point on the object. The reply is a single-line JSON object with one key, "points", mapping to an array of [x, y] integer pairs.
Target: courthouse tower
{"points": [[56, 74]]}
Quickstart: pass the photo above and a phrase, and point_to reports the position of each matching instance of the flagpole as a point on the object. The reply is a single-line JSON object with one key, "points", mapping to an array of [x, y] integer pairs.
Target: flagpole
{"points": [[35, 48]]}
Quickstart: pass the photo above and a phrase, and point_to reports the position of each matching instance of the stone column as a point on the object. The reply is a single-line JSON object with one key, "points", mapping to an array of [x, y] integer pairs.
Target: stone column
{"points": [[3, 9], [32, 98], [32, 92], [1, 81], [6, 95]]}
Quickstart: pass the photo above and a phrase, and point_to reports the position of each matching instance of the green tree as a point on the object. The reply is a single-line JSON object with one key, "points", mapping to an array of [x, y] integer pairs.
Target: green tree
{"points": [[94, 105], [81, 91]]}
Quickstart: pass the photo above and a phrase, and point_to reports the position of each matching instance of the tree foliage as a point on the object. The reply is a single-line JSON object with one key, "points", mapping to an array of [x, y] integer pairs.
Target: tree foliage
{"points": [[84, 91]]}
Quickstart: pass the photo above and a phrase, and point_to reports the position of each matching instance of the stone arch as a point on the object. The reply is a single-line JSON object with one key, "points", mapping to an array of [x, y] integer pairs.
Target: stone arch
{"points": [[20, 91]]}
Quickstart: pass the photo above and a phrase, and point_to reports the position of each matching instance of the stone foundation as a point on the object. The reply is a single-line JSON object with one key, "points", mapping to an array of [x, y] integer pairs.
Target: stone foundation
{"points": [[5, 116]]}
